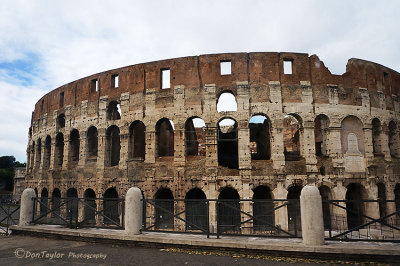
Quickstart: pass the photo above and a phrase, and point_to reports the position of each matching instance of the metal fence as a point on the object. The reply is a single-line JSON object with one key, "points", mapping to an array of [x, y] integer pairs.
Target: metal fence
{"points": [[273, 218], [79, 212], [9, 215], [360, 220]]}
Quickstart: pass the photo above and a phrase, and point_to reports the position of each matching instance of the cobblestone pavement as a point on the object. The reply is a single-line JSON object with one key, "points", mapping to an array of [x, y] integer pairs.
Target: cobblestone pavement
{"points": [[26, 250]]}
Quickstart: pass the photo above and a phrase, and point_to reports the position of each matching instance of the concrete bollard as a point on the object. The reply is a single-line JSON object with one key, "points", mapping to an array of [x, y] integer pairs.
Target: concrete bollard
{"points": [[26, 210], [312, 222], [133, 211]]}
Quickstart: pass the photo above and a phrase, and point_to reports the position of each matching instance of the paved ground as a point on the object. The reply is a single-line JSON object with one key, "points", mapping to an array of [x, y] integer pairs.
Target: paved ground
{"points": [[26, 250]]}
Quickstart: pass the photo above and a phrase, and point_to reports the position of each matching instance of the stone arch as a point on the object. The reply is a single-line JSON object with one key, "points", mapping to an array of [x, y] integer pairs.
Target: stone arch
{"points": [[74, 141], [326, 195], [113, 146], [292, 125], [226, 102], [59, 150], [321, 127], [196, 209], [229, 209], [60, 121], [90, 206], [111, 206], [260, 137], [382, 199], [228, 143], [352, 135], [44, 200], [56, 202], [376, 137], [113, 111], [38, 153], [137, 140], [355, 208], [72, 204], [195, 137], [263, 209], [293, 209], [164, 209], [47, 152], [92, 139], [394, 140], [164, 138]]}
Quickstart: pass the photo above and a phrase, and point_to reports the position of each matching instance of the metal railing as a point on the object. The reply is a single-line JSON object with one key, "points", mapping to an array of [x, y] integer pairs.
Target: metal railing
{"points": [[360, 220], [269, 217], [80, 212], [9, 215]]}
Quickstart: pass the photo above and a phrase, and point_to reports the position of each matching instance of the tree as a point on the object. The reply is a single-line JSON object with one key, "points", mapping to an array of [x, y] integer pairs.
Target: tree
{"points": [[7, 172]]}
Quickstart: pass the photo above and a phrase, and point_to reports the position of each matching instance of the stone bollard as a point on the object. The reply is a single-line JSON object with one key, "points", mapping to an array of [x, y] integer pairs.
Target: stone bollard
{"points": [[26, 210], [133, 211], [312, 222]]}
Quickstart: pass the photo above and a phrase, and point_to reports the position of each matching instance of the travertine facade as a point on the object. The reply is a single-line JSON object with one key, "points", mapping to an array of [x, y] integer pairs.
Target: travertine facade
{"points": [[113, 130]]}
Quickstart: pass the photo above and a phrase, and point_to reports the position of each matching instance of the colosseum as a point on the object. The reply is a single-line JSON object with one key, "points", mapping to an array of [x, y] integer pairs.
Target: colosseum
{"points": [[222, 126]]}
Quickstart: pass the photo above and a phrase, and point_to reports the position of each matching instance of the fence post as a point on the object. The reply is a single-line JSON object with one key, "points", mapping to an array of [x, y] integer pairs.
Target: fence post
{"points": [[312, 222], [133, 211], [26, 211]]}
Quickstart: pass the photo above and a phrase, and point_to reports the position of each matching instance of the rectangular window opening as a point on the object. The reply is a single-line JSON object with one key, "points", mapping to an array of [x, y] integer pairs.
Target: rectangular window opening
{"points": [[226, 67], [287, 66], [114, 81], [41, 105], [61, 99], [165, 78], [95, 85]]}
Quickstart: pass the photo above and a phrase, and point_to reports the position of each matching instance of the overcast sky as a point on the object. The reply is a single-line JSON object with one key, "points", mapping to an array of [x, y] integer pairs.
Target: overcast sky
{"points": [[45, 44]]}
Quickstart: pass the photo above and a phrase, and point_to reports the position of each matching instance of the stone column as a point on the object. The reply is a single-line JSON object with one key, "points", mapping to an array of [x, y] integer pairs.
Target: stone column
{"points": [[82, 149], [150, 145], [384, 142], [26, 211], [133, 211], [67, 144], [123, 152], [244, 145], [101, 148], [277, 148], [339, 193], [308, 143], [281, 215], [312, 222]]}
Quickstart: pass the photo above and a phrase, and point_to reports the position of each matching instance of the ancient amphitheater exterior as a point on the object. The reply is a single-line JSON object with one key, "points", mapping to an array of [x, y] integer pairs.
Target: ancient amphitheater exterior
{"points": [[163, 127]]}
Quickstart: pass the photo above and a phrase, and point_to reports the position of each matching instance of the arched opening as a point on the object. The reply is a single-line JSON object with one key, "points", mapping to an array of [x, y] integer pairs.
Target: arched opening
{"points": [[228, 143], [194, 137], [355, 208], [291, 138], [90, 206], [47, 153], [59, 150], [137, 140], [376, 137], [113, 146], [38, 153], [260, 147], [113, 111], [263, 209], [394, 141], [111, 206], [382, 199], [56, 199], [226, 102], [293, 209], [44, 200], [92, 142], [164, 209], [60, 121], [352, 136], [196, 210], [326, 195], [228, 210], [397, 202], [72, 204], [164, 137], [321, 126], [74, 145]]}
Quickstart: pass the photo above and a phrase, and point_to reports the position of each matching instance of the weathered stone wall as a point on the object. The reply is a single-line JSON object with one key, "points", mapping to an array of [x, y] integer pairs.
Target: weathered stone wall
{"points": [[366, 91]]}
